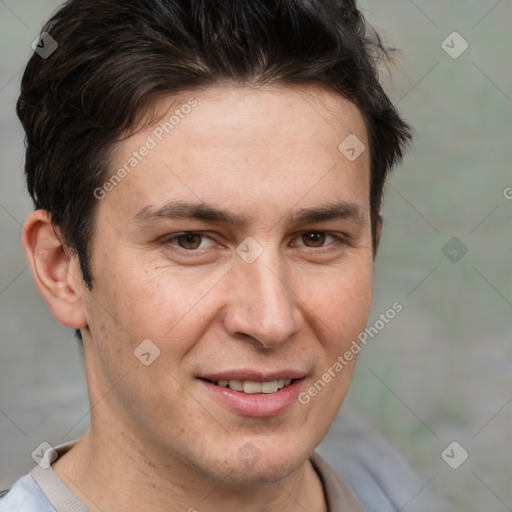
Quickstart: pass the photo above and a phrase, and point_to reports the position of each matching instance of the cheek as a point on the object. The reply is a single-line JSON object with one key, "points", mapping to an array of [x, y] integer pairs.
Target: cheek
{"points": [[135, 296], [342, 301], [165, 305]]}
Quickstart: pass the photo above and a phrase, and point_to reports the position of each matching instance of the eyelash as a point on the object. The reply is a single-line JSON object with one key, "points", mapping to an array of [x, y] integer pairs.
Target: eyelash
{"points": [[339, 240]]}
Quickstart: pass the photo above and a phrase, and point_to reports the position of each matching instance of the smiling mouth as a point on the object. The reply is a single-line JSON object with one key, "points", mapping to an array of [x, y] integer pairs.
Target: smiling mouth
{"points": [[252, 387]]}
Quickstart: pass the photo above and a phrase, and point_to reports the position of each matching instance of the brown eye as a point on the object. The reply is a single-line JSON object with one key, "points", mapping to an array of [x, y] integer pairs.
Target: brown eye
{"points": [[189, 240], [314, 239]]}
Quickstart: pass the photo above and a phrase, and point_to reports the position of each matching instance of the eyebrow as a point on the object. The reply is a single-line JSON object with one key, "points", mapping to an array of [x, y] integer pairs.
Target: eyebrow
{"points": [[173, 210]]}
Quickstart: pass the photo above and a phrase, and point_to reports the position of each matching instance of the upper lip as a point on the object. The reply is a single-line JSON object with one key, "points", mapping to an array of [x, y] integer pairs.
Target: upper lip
{"points": [[254, 375]]}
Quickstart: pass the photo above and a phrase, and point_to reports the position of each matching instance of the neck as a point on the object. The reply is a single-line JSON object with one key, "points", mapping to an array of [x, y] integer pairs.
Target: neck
{"points": [[113, 474]]}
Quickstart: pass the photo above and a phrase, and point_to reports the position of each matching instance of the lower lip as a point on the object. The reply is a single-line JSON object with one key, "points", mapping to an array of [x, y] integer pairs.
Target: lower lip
{"points": [[257, 404]]}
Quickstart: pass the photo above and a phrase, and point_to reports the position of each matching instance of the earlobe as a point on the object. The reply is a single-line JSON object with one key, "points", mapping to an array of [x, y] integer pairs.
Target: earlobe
{"points": [[56, 272]]}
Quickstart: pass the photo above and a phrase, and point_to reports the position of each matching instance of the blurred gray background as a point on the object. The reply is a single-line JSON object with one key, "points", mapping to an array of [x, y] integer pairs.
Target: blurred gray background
{"points": [[441, 371]]}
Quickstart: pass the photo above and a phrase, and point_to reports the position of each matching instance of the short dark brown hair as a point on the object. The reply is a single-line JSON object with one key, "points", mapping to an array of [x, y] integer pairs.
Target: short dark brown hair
{"points": [[115, 57]]}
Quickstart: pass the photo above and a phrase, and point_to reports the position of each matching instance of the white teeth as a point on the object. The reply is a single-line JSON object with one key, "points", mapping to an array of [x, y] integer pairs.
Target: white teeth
{"points": [[252, 387], [236, 385], [269, 387]]}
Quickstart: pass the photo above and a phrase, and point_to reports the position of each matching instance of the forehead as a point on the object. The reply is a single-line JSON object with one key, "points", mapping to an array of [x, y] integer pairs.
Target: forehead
{"points": [[307, 118], [246, 146]]}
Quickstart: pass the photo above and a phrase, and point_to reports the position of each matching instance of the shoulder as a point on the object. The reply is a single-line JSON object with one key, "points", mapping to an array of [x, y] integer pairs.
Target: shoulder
{"points": [[375, 471], [25, 496]]}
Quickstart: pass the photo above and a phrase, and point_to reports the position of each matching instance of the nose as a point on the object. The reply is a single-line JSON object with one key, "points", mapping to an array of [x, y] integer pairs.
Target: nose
{"points": [[262, 306]]}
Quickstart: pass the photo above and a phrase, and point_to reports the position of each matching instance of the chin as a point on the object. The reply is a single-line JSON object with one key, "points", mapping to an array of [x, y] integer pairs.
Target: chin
{"points": [[256, 462]]}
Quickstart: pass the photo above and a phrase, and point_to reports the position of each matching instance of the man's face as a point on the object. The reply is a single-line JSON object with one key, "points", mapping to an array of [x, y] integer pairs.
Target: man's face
{"points": [[253, 286]]}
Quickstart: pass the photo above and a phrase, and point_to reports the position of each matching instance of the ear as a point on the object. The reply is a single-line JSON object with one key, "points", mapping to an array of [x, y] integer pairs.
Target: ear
{"points": [[377, 233], [56, 272]]}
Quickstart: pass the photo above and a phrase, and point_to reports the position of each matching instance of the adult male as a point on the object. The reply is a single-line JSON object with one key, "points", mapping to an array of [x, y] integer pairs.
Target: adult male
{"points": [[207, 177]]}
